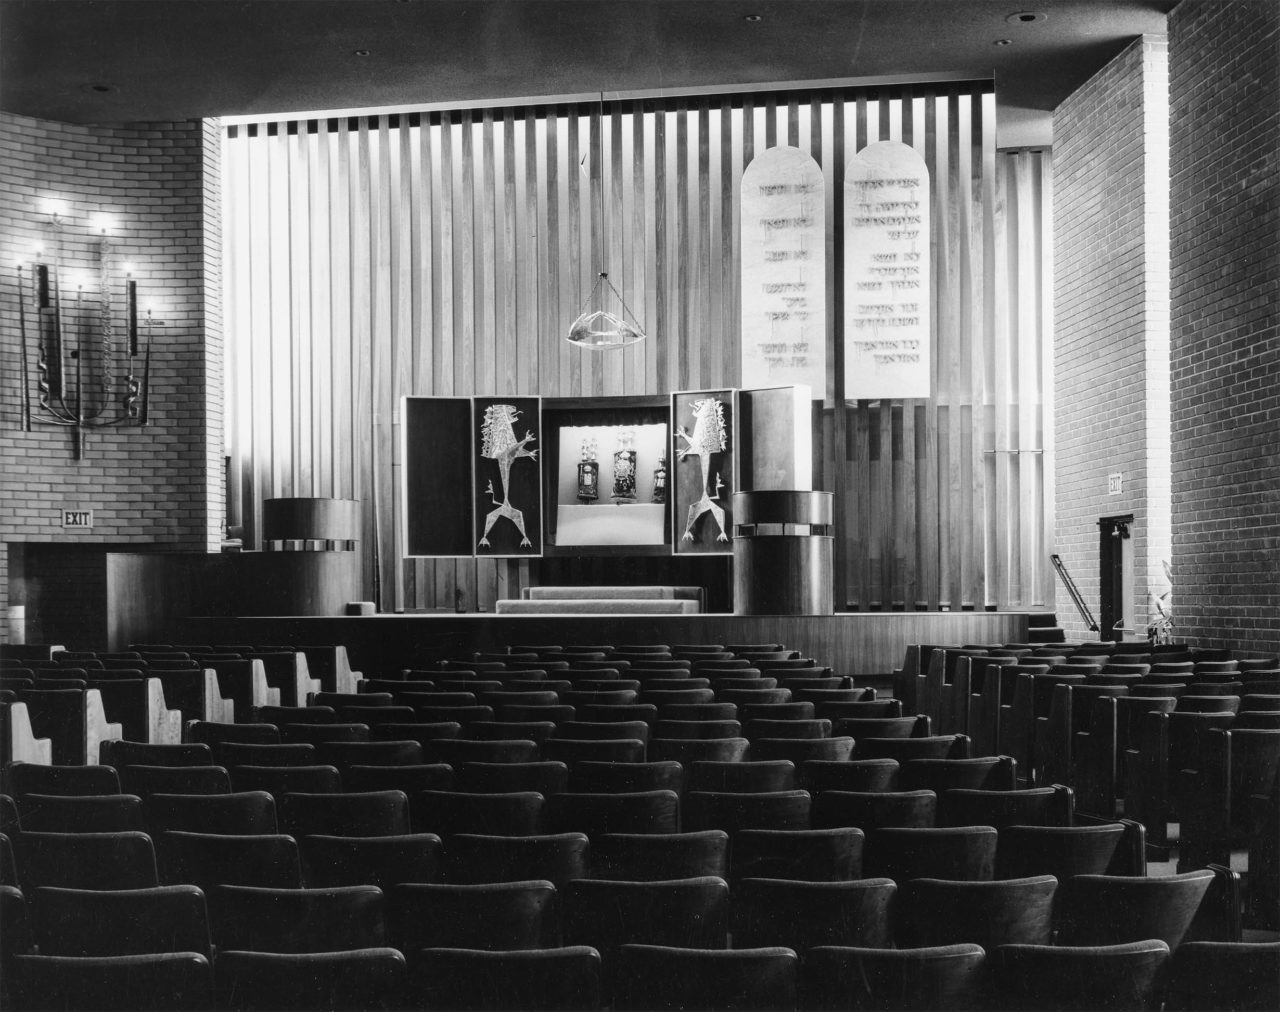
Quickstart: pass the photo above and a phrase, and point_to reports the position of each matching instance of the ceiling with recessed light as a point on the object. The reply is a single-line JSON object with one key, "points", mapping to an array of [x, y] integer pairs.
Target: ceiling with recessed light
{"points": [[134, 60]]}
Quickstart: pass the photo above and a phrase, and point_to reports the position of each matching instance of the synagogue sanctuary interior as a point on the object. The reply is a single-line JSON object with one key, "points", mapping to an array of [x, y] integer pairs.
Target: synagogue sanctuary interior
{"points": [[640, 504]]}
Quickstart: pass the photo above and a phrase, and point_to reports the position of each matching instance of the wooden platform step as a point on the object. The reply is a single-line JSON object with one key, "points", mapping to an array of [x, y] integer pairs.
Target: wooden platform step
{"points": [[1042, 627]]}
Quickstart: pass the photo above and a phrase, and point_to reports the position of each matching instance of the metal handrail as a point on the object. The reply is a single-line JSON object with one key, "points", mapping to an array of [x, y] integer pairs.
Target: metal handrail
{"points": [[1074, 591]]}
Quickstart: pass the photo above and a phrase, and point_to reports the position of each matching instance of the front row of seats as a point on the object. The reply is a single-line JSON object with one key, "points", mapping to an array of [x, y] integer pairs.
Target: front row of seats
{"points": [[700, 912], [1135, 975]]}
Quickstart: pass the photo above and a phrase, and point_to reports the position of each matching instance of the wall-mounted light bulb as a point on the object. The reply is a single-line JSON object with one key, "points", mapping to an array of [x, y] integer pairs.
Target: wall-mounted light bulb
{"points": [[55, 207], [79, 281], [128, 270], [101, 222]]}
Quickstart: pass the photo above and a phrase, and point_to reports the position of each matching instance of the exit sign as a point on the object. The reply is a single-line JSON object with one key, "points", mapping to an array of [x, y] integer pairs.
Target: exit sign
{"points": [[78, 519], [1115, 483]]}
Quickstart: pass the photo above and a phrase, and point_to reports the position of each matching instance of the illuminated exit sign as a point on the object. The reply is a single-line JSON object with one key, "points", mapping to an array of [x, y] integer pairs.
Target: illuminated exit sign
{"points": [[77, 519]]}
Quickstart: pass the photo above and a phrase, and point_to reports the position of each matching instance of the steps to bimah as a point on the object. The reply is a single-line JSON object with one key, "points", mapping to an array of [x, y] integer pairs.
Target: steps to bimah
{"points": [[1042, 627]]}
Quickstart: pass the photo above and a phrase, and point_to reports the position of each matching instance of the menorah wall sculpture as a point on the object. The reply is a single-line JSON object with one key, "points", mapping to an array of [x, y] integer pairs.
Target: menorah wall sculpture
{"points": [[85, 376]]}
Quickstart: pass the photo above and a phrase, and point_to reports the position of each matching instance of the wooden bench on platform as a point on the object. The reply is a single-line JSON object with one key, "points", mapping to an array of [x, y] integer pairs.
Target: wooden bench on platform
{"points": [[658, 592], [650, 600], [598, 606]]}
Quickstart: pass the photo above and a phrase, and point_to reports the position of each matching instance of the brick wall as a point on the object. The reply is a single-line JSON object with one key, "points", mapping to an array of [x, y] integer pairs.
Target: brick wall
{"points": [[159, 485], [1225, 317], [1111, 323]]}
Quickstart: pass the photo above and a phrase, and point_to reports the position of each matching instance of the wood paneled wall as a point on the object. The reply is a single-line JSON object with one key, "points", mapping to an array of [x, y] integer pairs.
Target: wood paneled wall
{"points": [[447, 253]]}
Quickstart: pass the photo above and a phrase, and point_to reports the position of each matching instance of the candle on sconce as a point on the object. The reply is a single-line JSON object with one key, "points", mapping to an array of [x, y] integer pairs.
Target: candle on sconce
{"points": [[131, 298], [77, 333], [22, 330], [51, 282], [80, 326]]}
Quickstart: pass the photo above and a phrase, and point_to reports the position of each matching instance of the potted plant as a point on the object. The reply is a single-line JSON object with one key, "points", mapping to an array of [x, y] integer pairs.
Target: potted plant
{"points": [[1160, 628]]}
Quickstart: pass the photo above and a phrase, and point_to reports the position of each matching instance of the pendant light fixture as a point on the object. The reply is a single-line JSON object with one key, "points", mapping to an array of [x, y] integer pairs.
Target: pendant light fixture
{"points": [[605, 321]]}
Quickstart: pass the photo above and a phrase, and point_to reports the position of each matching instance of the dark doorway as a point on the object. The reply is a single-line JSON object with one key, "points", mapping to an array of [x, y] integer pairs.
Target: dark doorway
{"points": [[1115, 577]]}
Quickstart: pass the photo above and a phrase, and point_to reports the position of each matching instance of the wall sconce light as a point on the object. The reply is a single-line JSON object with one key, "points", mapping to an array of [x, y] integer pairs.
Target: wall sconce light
{"points": [[85, 377]]}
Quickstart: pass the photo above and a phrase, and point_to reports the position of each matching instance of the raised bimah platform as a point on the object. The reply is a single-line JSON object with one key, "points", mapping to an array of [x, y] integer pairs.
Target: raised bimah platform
{"points": [[857, 643]]}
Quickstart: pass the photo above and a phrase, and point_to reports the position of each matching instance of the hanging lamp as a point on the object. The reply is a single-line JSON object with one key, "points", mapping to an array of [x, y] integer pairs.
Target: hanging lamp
{"points": [[605, 321]]}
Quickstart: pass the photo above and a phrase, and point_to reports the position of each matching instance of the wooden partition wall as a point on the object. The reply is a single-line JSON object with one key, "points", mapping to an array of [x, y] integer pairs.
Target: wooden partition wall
{"points": [[447, 253]]}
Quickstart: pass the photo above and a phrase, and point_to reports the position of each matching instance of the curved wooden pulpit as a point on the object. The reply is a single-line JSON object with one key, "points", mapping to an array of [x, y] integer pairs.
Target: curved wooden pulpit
{"points": [[309, 565], [782, 552]]}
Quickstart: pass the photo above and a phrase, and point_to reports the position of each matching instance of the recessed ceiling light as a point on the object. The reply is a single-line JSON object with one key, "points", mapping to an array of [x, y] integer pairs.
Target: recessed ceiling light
{"points": [[361, 52], [99, 89], [1026, 17], [753, 18], [1003, 42]]}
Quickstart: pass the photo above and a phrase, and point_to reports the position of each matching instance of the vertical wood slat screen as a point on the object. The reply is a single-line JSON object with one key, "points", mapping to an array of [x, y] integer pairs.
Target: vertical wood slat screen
{"points": [[446, 253]]}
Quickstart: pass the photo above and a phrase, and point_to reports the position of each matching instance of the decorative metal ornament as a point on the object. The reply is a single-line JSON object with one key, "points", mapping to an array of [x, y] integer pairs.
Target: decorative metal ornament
{"points": [[78, 358], [709, 437], [498, 442]]}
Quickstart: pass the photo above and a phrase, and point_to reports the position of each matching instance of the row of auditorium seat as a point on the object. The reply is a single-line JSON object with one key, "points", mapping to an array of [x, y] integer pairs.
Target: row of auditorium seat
{"points": [[1199, 976], [528, 740], [259, 855], [484, 766], [385, 813], [701, 911], [494, 775]]}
